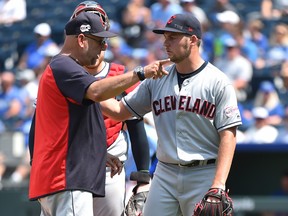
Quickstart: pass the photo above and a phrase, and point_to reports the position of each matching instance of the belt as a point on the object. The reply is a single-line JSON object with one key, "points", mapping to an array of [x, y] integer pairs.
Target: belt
{"points": [[195, 163]]}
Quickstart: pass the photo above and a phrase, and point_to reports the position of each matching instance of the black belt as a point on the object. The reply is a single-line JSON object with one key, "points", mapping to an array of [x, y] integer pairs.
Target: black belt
{"points": [[195, 163]]}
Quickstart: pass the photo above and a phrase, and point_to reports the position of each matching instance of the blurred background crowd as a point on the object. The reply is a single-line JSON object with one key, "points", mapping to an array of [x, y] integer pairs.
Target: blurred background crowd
{"points": [[247, 40]]}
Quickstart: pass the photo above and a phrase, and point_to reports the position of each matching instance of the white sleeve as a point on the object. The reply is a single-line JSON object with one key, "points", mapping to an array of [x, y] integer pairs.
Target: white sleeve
{"points": [[138, 102], [228, 114]]}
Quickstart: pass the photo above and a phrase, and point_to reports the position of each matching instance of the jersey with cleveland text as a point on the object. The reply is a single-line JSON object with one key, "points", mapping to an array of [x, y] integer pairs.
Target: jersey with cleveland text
{"points": [[205, 103]]}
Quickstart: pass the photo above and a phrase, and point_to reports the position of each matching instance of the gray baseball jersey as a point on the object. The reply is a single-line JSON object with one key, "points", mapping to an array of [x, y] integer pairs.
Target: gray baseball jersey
{"points": [[187, 119]]}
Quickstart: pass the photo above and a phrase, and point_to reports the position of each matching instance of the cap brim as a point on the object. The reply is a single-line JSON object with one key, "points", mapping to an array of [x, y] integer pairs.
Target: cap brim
{"points": [[104, 34], [166, 29]]}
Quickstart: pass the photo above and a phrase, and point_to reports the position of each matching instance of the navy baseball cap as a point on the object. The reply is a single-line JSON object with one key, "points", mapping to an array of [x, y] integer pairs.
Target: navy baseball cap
{"points": [[182, 23], [88, 23]]}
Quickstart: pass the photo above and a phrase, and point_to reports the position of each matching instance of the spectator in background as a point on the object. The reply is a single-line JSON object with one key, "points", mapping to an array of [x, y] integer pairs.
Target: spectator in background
{"points": [[246, 116], [283, 85], [28, 84], [236, 67], [229, 23], [10, 102], [232, 26], [220, 6], [268, 97], [49, 52], [162, 10], [21, 173], [274, 9], [247, 47], [29, 81], [136, 18], [28, 96], [12, 11], [228, 16], [190, 6], [208, 45], [277, 52], [283, 131], [261, 132], [10, 110], [34, 54], [254, 33], [121, 53]]}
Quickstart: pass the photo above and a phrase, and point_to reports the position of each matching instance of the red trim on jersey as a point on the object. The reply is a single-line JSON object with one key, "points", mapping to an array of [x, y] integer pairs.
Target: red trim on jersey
{"points": [[51, 130]]}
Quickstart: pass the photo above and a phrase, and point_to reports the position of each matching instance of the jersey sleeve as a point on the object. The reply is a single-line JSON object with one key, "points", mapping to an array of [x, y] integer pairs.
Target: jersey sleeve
{"points": [[138, 101], [227, 113], [72, 80]]}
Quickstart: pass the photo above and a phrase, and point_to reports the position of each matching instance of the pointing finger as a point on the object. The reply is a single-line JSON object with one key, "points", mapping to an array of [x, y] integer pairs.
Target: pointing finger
{"points": [[165, 61], [165, 72], [161, 66]]}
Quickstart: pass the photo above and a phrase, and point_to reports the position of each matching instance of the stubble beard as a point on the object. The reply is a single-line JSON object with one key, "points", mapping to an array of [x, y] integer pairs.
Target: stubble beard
{"points": [[179, 58]]}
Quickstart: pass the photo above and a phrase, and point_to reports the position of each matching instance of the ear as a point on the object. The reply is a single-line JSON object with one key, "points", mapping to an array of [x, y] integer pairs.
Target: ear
{"points": [[80, 39], [104, 45], [194, 40]]}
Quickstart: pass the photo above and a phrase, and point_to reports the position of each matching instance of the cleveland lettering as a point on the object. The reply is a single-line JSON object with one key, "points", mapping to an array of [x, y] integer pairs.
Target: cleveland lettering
{"points": [[185, 103]]}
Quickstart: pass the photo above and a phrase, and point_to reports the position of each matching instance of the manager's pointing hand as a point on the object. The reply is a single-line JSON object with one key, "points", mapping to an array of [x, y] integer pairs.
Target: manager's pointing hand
{"points": [[156, 69]]}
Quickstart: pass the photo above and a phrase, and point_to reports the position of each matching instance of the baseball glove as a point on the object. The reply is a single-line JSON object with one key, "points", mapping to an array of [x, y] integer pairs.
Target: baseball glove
{"points": [[223, 207], [136, 202]]}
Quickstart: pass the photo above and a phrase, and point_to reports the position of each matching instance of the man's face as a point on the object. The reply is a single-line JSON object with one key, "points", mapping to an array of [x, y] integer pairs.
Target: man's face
{"points": [[177, 46], [95, 46]]}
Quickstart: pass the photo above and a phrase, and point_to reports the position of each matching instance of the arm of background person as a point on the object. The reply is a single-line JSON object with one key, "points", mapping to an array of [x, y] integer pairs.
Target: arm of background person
{"points": [[115, 164], [139, 144]]}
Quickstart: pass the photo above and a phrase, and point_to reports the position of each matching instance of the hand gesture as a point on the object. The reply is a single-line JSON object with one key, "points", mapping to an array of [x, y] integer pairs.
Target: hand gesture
{"points": [[115, 164], [156, 69]]}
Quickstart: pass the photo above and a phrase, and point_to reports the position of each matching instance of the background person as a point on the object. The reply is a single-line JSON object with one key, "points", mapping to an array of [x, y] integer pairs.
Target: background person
{"points": [[261, 132], [268, 97], [117, 143], [238, 69], [12, 11], [34, 54]]}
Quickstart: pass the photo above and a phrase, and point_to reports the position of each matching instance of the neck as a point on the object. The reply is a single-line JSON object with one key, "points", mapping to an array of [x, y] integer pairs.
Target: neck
{"points": [[189, 65], [97, 68]]}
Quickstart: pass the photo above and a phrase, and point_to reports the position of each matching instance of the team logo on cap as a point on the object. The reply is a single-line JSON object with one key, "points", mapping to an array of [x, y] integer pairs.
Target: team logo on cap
{"points": [[171, 19], [85, 28]]}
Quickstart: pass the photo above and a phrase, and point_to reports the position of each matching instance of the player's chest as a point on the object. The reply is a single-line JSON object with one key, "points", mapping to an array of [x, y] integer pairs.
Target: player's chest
{"points": [[189, 87]]}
